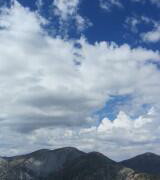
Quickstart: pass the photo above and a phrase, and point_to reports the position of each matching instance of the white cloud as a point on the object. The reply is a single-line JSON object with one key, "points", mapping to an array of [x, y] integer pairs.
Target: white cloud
{"points": [[39, 4], [122, 138], [82, 23], [65, 8], [133, 22], [49, 88], [108, 4], [152, 36]]}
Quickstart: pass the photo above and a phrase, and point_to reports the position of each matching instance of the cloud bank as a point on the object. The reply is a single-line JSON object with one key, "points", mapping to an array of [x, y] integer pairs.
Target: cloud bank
{"points": [[51, 89]]}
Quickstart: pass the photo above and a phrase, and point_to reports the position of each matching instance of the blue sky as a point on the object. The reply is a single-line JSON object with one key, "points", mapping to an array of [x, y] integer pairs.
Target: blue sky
{"points": [[80, 73], [107, 24]]}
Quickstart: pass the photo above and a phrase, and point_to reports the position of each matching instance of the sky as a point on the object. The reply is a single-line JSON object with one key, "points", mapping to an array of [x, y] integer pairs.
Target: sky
{"points": [[81, 73]]}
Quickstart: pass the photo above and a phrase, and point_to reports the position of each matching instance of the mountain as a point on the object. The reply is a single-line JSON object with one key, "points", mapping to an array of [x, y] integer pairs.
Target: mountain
{"points": [[37, 165], [86, 167], [96, 166], [147, 162], [66, 164]]}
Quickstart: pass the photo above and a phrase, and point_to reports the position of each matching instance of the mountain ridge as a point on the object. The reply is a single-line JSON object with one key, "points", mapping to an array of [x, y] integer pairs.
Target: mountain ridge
{"points": [[147, 162], [66, 163]]}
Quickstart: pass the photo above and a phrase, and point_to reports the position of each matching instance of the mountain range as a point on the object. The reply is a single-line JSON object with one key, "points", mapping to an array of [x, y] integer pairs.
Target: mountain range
{"points": [[72, 164]]}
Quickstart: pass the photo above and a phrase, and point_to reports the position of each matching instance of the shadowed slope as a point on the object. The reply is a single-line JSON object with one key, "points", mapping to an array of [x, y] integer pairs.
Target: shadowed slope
{"points": [[147, 163]]}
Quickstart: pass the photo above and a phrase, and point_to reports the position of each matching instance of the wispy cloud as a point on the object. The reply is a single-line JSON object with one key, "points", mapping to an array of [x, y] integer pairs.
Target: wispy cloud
{"points": [[154, 2], [109, 4], [134, 21], [152, 36], [68, 11]]}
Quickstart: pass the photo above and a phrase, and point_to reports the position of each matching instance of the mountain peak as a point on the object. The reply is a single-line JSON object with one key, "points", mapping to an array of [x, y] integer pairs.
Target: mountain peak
{"points": [[145, 163], [149, 154], [67, 149], [99, 155]]}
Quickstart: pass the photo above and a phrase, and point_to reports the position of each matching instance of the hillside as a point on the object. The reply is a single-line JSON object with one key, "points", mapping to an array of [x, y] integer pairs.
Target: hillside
{"points": [[66, 164]]}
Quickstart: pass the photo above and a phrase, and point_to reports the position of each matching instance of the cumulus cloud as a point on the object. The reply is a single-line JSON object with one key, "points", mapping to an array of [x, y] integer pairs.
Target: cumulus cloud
{"points": [[122, 138], [52, 87], [152, 36]]}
